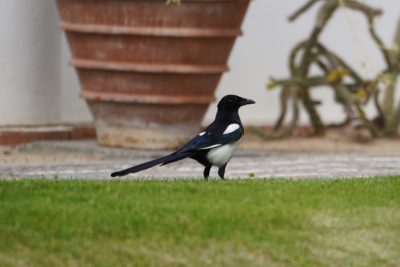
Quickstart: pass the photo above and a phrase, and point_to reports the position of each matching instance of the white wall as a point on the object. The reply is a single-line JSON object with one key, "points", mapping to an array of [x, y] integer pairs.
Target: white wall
{"points": [[38, 86], [29, 60]]}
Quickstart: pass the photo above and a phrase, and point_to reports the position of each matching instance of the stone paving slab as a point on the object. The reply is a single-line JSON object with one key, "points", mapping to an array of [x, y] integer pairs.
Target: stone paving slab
{"points": [[247, 163]]}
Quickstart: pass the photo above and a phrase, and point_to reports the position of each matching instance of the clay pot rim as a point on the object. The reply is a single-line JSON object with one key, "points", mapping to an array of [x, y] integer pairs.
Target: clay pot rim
{"points": [[150, 31], [147, 67], [146, 99]]}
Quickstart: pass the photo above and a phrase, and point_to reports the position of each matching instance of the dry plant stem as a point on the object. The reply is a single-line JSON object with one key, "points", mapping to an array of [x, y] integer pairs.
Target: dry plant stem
{"points": [[391, 60], [299, 72], [363, 117], [287, 131], [343, 94], [379, 42], [297, 81], [392, 117], [322, 66], [302, 9], [392, 122], [311, 110], [391, 127], [359, 82], [379, 120], [287, 88], [395, 51], [341, 97], [293, 56], [324, 14], [351, 90], [283, 98], [364, 8], [295, 117], [333, 57], [388, 99]]}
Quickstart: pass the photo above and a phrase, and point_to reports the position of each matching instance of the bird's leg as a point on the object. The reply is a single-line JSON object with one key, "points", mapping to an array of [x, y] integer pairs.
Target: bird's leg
{"points": [[221, 171], [206, 172]]}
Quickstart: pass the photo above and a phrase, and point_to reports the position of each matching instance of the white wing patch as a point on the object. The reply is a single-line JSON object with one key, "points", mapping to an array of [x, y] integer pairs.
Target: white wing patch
{"points": [[231, 128], [202, 133], [208, 147]]}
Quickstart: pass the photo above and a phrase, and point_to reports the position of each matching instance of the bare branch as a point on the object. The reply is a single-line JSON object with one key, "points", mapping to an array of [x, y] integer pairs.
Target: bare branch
{"points": [[284, 99], [364, 8], [298, 81], [334, 58], [324, 14], [302, 9]]}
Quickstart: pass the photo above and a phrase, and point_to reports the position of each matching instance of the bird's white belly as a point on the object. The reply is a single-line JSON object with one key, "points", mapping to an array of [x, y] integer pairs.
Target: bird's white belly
{"points": [[220, 155]]}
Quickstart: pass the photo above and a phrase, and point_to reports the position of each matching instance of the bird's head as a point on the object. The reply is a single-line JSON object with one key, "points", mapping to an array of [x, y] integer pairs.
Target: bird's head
{"points": [[233, 102]]}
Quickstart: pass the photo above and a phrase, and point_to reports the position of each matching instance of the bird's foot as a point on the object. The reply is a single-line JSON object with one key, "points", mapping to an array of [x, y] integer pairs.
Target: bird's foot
{"points": [[206, 172], [221, 171]]}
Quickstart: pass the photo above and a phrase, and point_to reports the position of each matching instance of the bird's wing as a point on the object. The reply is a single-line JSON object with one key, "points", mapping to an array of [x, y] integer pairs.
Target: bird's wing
{"points": [[209, 139]]}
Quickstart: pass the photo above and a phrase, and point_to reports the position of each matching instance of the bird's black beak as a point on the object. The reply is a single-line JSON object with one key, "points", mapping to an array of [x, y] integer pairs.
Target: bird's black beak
{"points": [[246, 102]]}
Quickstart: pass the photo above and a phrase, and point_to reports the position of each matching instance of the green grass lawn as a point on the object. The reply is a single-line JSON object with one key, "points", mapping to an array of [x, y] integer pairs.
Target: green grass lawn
{"points": [[353, 222]]}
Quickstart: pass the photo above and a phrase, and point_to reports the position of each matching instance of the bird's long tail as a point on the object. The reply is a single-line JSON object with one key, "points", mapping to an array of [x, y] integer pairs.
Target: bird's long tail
{"points": [[160, 161]]}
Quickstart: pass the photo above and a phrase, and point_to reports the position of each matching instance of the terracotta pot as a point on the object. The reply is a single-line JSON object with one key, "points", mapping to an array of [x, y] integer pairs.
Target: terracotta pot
{"points": [[148, 71]]}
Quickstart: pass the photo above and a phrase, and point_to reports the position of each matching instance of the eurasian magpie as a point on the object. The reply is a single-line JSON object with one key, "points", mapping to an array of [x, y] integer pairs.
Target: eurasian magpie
{"points": [[212, 147]]}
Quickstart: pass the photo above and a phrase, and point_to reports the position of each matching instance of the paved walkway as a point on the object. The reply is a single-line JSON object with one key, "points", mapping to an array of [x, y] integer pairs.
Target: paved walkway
{"points": [[86, 160]]}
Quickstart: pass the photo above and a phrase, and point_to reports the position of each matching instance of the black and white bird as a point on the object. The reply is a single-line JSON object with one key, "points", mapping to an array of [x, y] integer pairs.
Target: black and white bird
{"points": [[212, 147]]}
